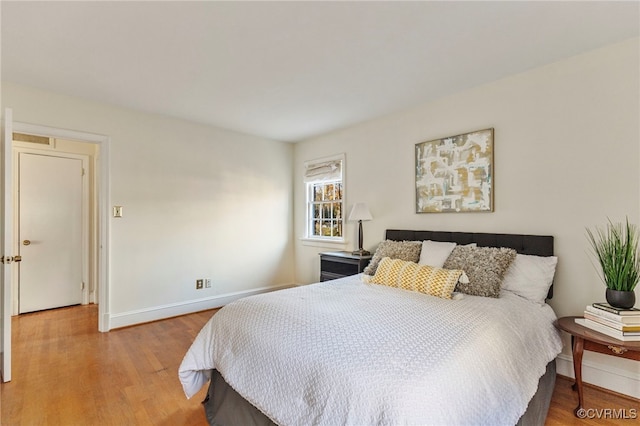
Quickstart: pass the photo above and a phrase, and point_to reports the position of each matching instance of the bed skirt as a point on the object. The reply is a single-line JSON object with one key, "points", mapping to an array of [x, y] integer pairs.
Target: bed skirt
{"points": [[225, 407]]}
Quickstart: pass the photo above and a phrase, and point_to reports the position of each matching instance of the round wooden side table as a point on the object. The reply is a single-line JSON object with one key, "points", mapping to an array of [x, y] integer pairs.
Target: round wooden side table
{"points": [[584, 338]]}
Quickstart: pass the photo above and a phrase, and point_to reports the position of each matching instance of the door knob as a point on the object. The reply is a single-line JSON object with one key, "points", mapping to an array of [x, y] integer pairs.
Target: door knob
{"points": [[17, 258], [26, 242]]}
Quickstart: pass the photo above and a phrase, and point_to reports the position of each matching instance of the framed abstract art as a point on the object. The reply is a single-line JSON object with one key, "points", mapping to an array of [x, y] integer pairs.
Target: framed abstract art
{"points": [[455, 174]]}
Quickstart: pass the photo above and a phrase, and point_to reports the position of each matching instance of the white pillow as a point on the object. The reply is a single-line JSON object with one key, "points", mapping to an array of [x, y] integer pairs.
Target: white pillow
{"points": [[530, 276], [435, 253]]}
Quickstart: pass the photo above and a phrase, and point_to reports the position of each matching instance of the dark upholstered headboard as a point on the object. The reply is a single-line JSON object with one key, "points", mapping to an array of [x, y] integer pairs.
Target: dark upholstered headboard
{"points": [[538, 245]]}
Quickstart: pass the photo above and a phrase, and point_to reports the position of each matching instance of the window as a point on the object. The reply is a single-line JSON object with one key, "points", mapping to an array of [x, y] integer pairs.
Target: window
{"points": [[325, 209], [325, 198]]}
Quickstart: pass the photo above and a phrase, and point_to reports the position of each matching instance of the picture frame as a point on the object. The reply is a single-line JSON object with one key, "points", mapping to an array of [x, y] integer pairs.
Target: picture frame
{"points": [[454, 174]]}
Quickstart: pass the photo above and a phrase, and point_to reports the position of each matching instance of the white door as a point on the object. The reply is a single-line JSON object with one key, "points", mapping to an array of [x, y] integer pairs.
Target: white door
{"points": [[50, 232], [6, 227]]}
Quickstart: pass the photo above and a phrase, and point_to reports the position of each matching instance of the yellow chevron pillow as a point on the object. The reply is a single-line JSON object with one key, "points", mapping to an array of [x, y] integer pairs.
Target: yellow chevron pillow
{"points": [[422, 278]]}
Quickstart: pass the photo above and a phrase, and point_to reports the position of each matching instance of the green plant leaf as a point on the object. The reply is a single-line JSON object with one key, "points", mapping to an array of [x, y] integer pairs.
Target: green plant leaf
{"points": [[616, 249]]}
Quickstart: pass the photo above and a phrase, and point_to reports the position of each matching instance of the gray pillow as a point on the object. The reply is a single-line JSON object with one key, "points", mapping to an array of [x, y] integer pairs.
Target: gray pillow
{"points": [[485, 267], [403, 250]]}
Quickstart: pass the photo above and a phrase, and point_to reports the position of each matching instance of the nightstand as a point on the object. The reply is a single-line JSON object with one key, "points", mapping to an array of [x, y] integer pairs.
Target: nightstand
{"points": [[338, 264], [586, 339]]}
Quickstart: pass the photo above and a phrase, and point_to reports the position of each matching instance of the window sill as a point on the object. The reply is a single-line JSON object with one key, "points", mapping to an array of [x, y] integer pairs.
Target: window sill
{"points": [[317, 242]]}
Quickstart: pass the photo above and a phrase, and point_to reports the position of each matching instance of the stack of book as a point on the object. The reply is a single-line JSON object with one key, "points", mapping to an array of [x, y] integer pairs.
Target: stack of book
{"points": [[623, 324]]}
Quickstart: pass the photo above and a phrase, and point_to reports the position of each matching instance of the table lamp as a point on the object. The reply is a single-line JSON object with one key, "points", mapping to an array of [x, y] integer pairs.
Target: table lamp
{"points": [[360, 212]]}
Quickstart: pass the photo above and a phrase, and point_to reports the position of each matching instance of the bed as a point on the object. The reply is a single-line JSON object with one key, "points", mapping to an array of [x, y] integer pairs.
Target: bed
{"points": [[351, 351]]}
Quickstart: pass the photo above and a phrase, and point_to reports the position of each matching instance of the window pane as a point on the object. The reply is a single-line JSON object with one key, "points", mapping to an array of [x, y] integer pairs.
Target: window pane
{"points": [[338, 229], [328, 192], [317, 192], [326, 228], [332, 193], [337, 211], [326, 211], [338, 191], [316, 211], [316, 227]]}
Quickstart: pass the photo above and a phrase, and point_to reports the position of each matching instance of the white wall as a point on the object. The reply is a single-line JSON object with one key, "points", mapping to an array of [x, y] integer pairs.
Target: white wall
{"points": [[199, 202], [567, 139]]}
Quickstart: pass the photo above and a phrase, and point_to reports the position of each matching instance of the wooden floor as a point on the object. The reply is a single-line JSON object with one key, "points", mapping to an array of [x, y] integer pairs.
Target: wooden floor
{"points": [[603, 407], [67, 373]]}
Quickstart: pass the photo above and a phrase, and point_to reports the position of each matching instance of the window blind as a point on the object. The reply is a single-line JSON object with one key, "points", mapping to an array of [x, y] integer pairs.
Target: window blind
{"points": [[323, 171]]}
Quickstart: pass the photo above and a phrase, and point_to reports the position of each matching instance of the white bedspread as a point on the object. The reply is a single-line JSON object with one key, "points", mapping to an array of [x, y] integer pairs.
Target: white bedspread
{"points": [[349, 353]]}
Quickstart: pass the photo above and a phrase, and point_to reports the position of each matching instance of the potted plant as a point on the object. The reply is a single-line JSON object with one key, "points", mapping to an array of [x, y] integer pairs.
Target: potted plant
{"points": [[616, 249]]}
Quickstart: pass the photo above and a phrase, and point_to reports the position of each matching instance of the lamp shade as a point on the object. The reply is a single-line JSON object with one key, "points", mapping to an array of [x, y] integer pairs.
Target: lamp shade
{"points": [[360, 211]]}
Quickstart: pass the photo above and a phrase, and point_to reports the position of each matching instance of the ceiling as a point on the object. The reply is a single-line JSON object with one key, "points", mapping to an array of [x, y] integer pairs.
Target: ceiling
{"points": [[292, 70]]}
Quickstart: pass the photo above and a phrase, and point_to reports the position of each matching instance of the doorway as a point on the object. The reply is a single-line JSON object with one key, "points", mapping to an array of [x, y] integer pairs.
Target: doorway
{"points": [[97, 148]]}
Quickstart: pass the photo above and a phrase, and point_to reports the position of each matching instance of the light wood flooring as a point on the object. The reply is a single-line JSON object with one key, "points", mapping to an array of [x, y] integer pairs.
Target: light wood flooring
{"points": [[67, 373]]}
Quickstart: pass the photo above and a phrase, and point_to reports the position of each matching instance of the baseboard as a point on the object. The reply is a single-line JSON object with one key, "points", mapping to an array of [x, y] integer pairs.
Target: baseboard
{"points": [[155, 313], [602, 375]]}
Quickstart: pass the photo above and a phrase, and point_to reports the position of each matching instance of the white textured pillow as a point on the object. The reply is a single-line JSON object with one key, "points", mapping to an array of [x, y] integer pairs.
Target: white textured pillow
{"points": [[530, 276], [435, 253]]}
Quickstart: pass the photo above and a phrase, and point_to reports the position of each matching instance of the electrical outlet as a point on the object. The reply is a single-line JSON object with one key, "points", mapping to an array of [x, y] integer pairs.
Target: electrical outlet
{"points": [[199, 284], [207, 283]]}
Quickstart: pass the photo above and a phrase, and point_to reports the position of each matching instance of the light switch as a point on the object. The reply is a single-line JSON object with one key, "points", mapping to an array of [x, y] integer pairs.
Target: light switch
{"points": [[117, 211]]}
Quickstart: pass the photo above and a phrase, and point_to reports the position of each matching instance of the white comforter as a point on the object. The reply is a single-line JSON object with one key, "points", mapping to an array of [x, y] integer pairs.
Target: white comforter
{"points": [[349, 353]]}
